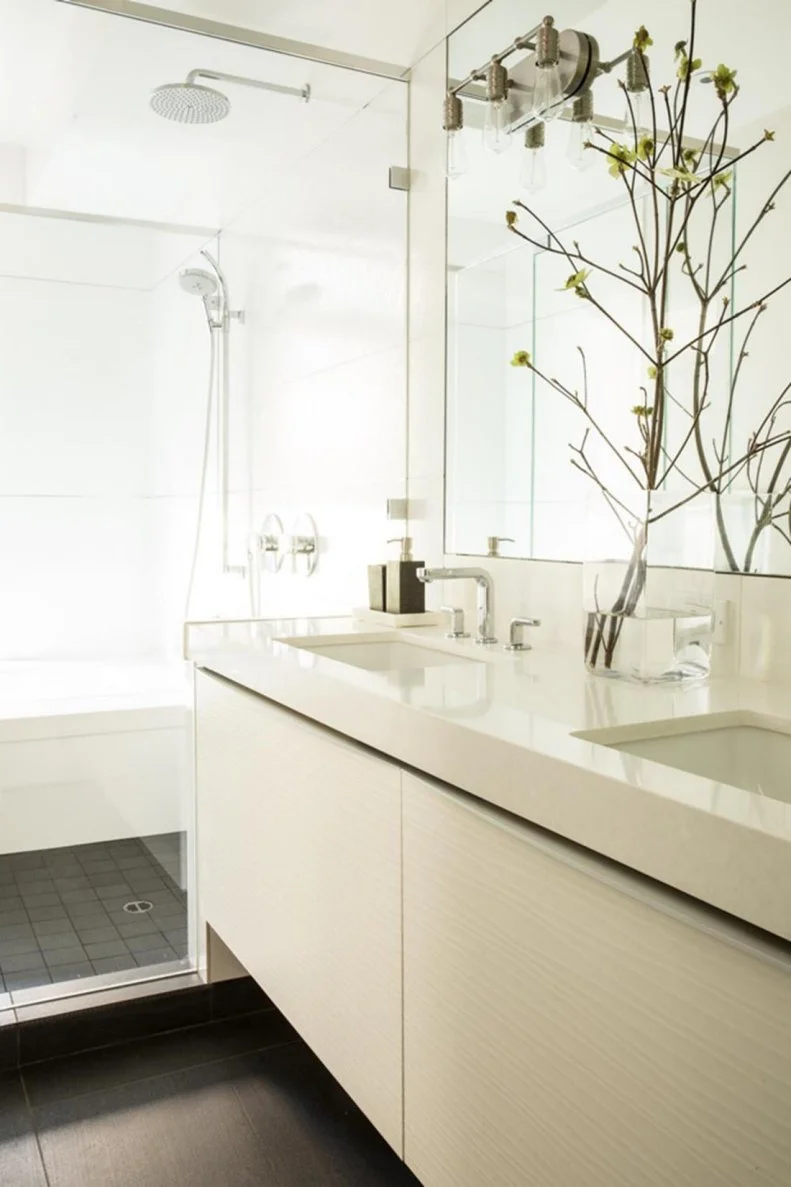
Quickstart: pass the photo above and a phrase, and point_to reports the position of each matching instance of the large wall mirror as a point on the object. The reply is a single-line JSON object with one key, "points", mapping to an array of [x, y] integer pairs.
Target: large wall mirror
{"points": [[510, 435]]}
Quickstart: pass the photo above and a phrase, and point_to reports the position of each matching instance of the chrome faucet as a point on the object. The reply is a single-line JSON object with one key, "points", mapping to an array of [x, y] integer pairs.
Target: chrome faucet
{"points": [[485, 595]]}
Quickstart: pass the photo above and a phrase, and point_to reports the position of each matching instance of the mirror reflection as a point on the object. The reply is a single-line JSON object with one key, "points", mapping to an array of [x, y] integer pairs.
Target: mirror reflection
{"points": [[517, 483]]}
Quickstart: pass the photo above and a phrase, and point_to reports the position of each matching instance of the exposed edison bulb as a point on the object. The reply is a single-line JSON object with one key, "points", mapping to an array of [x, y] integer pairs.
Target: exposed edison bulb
{"points": [[578, 156], [548, 92], [533, 170], [496, 133], [457, 154], [636, 110]]}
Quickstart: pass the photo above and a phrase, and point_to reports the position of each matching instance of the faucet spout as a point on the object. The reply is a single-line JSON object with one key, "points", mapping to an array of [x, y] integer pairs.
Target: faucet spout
{"points": [[485, 595]]}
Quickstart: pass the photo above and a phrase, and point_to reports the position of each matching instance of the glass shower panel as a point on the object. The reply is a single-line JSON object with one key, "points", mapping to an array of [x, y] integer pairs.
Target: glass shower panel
{"points": [[163, 385], [95, 782], [318, 264]]}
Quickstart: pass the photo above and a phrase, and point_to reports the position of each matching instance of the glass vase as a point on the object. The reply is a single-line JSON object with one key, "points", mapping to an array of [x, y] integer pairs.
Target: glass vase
{"points": [[648, 588]]}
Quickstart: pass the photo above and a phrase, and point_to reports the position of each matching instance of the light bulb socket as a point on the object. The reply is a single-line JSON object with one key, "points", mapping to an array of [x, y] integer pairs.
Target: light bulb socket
{"points": [[496, 82], [547, 44], [582, 108], [636, 72], [452, 113], [536, 135]]}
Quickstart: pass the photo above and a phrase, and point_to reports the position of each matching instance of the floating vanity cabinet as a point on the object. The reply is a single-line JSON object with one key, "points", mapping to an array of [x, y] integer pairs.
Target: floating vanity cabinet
{"points": [[561, 1029], [299, 851]]}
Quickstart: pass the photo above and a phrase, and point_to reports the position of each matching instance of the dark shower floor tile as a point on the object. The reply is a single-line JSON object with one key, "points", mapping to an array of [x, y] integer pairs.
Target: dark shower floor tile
{"points": [[62, 911]]}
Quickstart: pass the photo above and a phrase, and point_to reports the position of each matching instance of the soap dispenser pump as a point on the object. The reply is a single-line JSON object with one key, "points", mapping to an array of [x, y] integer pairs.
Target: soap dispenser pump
{"points": [[405, 593]]}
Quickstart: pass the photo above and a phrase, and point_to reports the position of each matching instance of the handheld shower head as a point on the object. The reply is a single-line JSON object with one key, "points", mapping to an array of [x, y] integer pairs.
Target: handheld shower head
{"points": [[203, 284], [199, 282], [190, 103]]}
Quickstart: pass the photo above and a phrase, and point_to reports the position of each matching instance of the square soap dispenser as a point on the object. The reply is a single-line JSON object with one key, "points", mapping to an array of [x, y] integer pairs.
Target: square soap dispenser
{"points": [[405, 594]]}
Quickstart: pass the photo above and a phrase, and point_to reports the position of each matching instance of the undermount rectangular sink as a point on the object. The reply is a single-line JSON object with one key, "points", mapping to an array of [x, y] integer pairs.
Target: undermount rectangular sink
{"points": [[384, 656], [742, 750]]}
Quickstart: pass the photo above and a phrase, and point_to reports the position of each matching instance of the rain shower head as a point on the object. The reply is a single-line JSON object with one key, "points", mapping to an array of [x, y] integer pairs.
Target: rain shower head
{"points": [[190, 103], [199, 282]]}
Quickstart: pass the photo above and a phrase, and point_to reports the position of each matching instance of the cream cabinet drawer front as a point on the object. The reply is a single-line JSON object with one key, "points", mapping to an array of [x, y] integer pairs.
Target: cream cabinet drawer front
{"points": [[300, 875], [560, 1033]]}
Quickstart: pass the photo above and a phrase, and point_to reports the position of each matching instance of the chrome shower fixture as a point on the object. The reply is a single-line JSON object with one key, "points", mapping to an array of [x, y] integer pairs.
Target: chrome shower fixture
{"points": [[190, 102], [199, 282]]}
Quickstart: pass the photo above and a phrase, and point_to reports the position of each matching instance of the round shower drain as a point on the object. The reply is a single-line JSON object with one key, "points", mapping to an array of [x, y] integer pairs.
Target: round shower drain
{"points": [[138, 908]]}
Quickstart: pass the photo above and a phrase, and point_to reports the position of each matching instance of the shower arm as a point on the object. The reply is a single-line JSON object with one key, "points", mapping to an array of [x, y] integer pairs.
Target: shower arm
{"points": [[218, 76]]}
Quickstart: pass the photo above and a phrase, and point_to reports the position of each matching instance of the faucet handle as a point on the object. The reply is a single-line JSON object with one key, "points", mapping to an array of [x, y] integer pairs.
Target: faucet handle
{"points": [[457, 630], [516, 640]]}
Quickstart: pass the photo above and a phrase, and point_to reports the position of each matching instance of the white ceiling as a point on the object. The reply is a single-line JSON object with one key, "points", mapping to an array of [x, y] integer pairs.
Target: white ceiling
{"points": [[396, 31], [74, 94]]}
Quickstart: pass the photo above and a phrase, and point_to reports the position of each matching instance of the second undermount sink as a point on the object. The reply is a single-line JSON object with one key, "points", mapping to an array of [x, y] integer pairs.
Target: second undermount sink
{"points": [[382, 655], [740, 749]]}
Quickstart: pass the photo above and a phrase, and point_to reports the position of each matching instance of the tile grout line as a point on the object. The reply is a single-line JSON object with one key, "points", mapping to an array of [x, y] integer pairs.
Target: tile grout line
{"points": [[34, 1128], [159, 1075], [237, 1094]]}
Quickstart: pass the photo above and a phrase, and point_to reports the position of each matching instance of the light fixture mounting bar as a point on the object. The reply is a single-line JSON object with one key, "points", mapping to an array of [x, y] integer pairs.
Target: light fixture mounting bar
{"points": [[607, 67], [525, 42]]}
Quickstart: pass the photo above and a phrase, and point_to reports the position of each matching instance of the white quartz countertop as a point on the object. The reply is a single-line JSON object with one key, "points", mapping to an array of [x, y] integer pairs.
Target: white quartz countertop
{"points": [[502, 728]]}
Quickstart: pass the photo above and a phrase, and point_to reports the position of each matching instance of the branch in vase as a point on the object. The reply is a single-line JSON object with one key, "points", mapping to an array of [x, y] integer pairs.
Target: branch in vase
{"points": [[734, 466], [590, 473], [674, 462], [522, 359], [580, 286], [726, 429], [727, 321], [576, 257], [767, 208]]}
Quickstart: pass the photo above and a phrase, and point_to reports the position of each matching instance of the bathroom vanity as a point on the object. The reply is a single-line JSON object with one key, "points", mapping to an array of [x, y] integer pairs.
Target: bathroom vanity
{"points": [[530, 957]]}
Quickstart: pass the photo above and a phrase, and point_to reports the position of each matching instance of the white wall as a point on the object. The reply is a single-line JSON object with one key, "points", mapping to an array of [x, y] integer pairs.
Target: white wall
{"points": [[91, 432], [319, 265]]}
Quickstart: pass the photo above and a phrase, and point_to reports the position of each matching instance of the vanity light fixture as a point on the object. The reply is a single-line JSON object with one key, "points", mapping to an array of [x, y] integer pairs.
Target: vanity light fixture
{"points": [[559, 68], [636, 88], [581, 132], [453, 123], [533, 170], [496, 130], [548, 92]]}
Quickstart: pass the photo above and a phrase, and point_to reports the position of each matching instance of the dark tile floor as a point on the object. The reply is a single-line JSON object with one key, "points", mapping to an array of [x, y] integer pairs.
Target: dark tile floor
{"points": [[62, 911], [236, 1103]]}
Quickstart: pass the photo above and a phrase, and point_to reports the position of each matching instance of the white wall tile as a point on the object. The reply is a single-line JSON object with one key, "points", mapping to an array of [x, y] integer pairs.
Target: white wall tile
{"points": [[78, 578]]}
